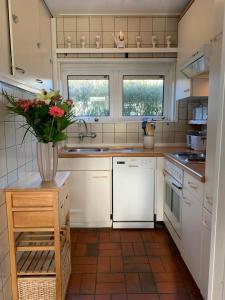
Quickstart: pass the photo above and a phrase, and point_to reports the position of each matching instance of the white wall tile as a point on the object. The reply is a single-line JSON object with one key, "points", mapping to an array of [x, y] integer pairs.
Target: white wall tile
{"points": [[108, 138], [5, 270], [59, 24], [120, 137], [11, 159], [7, 290], [4, 249], [83, 24], [70, 24], [133, 24], [107, 23], [121, 24], [96, 127], [2, 135], [120, 127], [3, 168], [95, 23], [132, 127], [146, 24], [171, 24], [108, 127], [159, 24], [10, 134], [3, 219], [132, 137]]}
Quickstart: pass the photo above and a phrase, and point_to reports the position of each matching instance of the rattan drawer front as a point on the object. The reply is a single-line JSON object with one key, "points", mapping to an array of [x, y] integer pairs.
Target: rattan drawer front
{"points": [[33, 219], [44, 199], [37, 288]]}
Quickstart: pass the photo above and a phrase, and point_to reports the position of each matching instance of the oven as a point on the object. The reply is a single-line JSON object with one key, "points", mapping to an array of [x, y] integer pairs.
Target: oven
{"points": [[173, 202]]}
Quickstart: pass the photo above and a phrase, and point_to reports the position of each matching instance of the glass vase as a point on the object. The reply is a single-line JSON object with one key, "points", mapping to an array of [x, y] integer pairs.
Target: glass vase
{"points": [[47, 160]]}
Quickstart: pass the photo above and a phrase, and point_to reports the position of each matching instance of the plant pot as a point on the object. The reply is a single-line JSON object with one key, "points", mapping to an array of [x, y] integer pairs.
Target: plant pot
{"points": [[149, 141], [47, 160]]}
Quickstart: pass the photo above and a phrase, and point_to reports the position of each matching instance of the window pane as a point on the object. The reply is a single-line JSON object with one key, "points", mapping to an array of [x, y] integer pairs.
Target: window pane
{"points": [[143, 95], [90, 95]]}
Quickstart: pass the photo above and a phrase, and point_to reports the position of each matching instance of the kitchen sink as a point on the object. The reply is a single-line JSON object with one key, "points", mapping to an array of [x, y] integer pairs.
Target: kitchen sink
{"points": [[100, 150], [87, 150]]}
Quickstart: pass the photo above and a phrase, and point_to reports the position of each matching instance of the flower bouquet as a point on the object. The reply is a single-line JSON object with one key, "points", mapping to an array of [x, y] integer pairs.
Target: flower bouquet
{"points": [[47, 116]]}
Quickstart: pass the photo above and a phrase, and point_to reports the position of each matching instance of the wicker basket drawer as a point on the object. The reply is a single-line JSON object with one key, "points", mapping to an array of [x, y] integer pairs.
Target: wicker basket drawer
{"points": [[37, 288], [44, 199], [33, 219]]}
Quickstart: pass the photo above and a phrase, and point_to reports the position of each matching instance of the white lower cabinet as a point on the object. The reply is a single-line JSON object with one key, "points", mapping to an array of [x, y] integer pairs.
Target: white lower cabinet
{"points": [[191, 241], [91, 198], [205, 257], [90, 189]]}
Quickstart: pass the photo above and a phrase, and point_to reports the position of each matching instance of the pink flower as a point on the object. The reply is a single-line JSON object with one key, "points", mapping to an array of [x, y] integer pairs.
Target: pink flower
{"points": [[24, 104], [55, 111]]}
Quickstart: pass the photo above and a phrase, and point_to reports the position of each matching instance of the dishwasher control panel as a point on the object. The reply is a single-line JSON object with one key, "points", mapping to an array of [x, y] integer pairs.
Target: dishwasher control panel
{"points": [[143, 162]]}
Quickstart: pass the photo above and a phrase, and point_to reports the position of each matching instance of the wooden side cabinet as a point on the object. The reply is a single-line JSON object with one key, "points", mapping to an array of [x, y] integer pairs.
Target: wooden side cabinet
{"points": [[39, 237]]}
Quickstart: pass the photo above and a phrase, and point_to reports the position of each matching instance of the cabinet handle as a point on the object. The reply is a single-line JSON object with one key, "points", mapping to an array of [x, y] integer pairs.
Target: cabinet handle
{"points": [[206, 225], [187, 90], [15, 18], [20, 69], [133, 166], [192, 185], [177, 186], [67, 196], [99, 177], [187, 202], [39, 80], [209, 200]]}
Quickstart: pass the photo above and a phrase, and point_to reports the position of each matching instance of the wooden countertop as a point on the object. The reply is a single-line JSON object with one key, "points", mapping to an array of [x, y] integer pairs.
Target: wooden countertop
{"points": [[33, 182], [195, 169], [115, 151]]}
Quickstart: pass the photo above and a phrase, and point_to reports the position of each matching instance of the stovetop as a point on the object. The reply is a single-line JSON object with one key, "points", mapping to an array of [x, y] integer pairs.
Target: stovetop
{"points": [[187, 157]]}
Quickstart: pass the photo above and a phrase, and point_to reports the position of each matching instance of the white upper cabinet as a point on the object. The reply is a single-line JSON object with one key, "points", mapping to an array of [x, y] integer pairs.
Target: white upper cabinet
{"points": [[5, 61], [194, 30], [31, 42]]}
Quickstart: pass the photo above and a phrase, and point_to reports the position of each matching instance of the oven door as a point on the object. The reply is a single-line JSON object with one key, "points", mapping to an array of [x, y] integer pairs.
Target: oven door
{"points": [[173, 202]]}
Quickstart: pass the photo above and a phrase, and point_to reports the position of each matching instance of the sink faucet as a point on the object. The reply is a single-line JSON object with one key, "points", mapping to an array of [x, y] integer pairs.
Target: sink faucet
{"points": [[86, 133]]}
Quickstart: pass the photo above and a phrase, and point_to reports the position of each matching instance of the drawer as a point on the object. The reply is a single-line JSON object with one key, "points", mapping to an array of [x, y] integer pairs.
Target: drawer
{"points": [[193, 186], [43, 199], [207, 219], [33, 219]]}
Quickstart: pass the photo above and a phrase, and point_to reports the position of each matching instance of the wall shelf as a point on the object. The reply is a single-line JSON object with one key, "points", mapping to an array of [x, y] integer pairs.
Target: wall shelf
{"points": [[114, 50]]}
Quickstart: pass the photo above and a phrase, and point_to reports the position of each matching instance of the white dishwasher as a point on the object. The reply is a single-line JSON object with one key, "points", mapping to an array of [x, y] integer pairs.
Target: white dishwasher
{"points": [[133, 192]]}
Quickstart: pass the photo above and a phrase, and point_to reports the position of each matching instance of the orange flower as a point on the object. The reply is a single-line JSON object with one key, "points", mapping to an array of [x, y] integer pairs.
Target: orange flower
{"points": [[56, 111]]}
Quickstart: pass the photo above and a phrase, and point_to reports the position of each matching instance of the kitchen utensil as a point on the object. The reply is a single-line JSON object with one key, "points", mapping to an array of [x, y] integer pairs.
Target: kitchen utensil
{"points": [[150, 129]]}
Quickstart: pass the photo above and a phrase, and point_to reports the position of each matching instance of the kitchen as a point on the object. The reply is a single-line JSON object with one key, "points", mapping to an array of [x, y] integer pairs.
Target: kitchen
{"points": [[136, 208]]}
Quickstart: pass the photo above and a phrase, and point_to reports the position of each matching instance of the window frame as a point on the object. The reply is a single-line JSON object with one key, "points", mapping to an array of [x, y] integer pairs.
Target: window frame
{"points": [[116, 69]]}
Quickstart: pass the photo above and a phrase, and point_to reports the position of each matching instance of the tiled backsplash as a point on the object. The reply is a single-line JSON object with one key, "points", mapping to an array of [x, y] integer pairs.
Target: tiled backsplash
{"points": [[105, 26], [132, 133], [15, 161]]}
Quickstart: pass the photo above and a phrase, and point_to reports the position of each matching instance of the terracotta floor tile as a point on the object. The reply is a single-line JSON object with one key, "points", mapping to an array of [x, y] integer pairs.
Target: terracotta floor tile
{"points": [[130, 236], [135, 260], [116, 264], [110, 252], [170, 287], [84, 269], [147, 283], [84, 260], [103, 265], [139, 249], [132, 283], [127, 249], [182, 296], [168, 277], [81, 297], [74, 284], [110, 277], [156, 264], [78, 249], [92, 250], [143, 297], [109, 246], [136, 268], [110, 288], [110, 264], [102, 297], [88, 282], [119, 297]]}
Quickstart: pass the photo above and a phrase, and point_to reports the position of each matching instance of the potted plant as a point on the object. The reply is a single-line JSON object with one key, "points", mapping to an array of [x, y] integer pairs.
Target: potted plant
{"points": [[47, 116]]}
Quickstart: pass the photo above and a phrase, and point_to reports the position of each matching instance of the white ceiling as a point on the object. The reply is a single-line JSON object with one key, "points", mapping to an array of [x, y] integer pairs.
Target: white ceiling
{"points": [[123, 7]]}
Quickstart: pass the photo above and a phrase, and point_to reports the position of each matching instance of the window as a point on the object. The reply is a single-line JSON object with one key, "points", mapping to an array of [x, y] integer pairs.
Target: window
{"points": [[90, 94], [143, 95], [120, 90]]}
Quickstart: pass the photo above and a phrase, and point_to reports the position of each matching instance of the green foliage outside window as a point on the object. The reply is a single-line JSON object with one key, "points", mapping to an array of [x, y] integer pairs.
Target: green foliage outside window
{"points": [[143, 97]]}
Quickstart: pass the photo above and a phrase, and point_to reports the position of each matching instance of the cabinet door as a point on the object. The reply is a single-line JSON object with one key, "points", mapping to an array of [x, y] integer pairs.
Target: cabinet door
{"points": [[183, 84], [90, 198], [45, 50], [24, 20], [5, 61], [191, 234], [206, 240]]}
